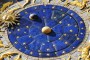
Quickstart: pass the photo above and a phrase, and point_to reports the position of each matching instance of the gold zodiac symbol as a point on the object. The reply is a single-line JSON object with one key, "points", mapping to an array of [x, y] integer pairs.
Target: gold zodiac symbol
{"points": [[80, 4], [7, 55], [6, 5]]}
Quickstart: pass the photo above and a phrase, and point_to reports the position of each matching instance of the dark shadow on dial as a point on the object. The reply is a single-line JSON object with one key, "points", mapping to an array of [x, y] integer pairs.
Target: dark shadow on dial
{"points": [[53, 34], [37, 19]]}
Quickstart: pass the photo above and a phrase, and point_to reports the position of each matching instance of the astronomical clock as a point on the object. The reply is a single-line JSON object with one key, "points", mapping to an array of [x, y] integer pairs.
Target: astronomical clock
{"points": [[44, 30]]}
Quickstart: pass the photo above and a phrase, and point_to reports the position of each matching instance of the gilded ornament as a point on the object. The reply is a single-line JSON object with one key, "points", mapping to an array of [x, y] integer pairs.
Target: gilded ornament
{"points": [[8, 54], [85, 53], [80, 4], [66, 2], [18, 57], [6, 5], [26, 2], [9, 18], [46, 30]]}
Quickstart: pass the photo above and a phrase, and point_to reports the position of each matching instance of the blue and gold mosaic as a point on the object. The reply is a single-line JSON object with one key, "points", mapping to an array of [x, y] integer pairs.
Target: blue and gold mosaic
{"points": [[68, 31]]}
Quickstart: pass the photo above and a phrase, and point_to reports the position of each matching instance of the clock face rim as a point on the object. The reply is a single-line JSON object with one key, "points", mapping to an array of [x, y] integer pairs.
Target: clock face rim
{"points": [[86, 36]]}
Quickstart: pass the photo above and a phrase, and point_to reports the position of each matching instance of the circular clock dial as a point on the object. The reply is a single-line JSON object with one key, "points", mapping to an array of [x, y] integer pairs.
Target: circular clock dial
{"points": [[47, 31]]}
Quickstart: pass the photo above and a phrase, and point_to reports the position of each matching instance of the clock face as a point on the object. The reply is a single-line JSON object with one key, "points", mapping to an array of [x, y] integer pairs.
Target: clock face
{"points": [[44, 30], [67, 31]]}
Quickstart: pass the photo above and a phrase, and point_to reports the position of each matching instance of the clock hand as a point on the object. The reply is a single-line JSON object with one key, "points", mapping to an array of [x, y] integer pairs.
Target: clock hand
{"points": [[52, 15]]}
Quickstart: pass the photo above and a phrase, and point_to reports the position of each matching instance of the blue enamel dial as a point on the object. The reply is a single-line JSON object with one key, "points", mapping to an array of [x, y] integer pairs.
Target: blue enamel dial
{"points": [[68, 31]]}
